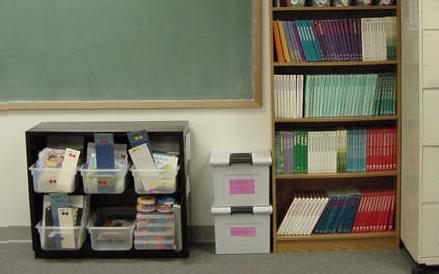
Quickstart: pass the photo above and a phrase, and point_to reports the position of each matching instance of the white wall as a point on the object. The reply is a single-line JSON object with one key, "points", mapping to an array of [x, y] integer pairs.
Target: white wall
{"points": [[211, 129]]}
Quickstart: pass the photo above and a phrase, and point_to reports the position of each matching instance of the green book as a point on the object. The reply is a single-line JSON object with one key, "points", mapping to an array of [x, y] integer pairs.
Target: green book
{"points": [[305, 152], [296, 151]]}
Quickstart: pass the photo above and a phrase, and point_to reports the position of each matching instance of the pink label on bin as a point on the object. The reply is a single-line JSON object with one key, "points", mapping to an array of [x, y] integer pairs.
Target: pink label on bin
{"points": [[242, 186], [242, 231]]}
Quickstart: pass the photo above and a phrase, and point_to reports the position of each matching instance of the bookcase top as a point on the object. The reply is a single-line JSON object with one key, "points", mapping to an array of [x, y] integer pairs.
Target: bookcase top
{"points": [[157, 126]]}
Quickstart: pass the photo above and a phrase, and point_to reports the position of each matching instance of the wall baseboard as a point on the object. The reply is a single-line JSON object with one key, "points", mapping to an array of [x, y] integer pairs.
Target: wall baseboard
{"points": [[11, 234]]}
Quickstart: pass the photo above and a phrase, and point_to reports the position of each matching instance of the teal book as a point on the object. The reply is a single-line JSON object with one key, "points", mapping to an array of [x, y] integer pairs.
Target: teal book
{"points": [[308, 95], [313, 41], [305, 41]]}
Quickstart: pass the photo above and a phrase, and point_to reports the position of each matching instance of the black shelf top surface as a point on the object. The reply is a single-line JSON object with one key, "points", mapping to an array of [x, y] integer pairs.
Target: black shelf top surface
{"points": [[152, 126]]}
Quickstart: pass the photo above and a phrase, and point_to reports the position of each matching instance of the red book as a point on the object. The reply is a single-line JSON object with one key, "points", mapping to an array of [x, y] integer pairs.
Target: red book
{"points": [[373, 213], [382, 219], [360, 210], [372, 151], [391, 212], [386, 149], [377, 212], [394, 150], [364, 222], [381, 150]]}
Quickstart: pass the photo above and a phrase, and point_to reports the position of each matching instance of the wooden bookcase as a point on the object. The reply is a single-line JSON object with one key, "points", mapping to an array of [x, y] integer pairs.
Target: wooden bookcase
{"points": [[283, 183], [174, 132]]}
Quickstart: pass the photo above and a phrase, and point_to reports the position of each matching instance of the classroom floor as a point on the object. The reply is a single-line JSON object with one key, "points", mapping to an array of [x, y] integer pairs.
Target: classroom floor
{"points": [[18, 258]]}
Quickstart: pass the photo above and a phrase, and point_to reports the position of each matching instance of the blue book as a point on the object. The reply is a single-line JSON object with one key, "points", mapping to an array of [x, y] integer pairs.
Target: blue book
{"points": [[138, 137], [324, 217], [341, 211], [104, 156], [58, 200], [352, 213], [103, 138]]}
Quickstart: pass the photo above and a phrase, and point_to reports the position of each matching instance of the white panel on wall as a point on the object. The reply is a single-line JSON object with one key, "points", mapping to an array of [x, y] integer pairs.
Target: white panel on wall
{"points": [[430, 14], [430, 174], [430, 117], [430, 231], [430, 59]]}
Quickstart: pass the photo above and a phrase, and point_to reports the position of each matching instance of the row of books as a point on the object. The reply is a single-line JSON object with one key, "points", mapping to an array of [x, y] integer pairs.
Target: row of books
{"points": [[357, 150], [349, 210], [298, 96], [351, 39], [337, 3]]}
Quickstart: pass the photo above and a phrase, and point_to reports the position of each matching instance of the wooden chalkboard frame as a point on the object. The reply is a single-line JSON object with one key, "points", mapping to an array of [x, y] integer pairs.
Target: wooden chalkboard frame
{"points": [[255, 102]]}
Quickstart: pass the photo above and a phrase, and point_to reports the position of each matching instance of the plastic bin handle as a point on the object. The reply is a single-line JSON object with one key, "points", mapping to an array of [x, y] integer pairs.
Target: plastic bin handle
{"points": [[241, 158], [241, 210]]}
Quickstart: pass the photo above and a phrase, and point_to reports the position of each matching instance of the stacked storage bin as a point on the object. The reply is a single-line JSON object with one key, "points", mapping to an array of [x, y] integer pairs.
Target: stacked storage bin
{"points": [[154, 230], [241, 201]]}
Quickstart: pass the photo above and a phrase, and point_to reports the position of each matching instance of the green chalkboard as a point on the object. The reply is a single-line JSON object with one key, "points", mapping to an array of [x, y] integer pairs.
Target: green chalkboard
{"points": [[94, 50]]}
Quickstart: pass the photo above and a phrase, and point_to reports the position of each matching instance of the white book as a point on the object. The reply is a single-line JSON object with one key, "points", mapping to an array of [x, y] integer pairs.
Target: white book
{"points": [[300, 87], [363, 39], [306, 213], [314, 201], [276, 95], [322, 202], [293, 92], [68, 169], [283, 228], [292, 225], [303, 214]]}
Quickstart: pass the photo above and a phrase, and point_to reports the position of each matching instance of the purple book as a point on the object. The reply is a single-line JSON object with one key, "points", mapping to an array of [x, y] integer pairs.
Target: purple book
{"points": [[319, 39], [333, 38], [347, 36], [358, 38], [324, 25], [338, 25]]}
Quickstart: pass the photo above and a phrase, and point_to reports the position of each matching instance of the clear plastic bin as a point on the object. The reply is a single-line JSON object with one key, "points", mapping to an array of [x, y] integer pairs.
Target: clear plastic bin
{"points": [[156, 238], [147, 245], [151, 219], [154, 181], [62, 237], [154, 231], [111, 238], [47, 180], [104, 181]]}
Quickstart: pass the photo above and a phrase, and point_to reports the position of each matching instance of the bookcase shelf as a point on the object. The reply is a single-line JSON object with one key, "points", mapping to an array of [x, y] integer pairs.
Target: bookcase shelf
{"points": [[284, 185], [349, 8], [332, 242], [336, 175], [337, 119], [335, 236], [336, 64]]}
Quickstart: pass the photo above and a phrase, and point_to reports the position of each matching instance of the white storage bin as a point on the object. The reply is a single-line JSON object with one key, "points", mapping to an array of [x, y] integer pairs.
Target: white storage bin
{"points": [[112, 238], [104, 181], [46, 180], [241, 179], [62, 237], [154, 181], [241, 230]]}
